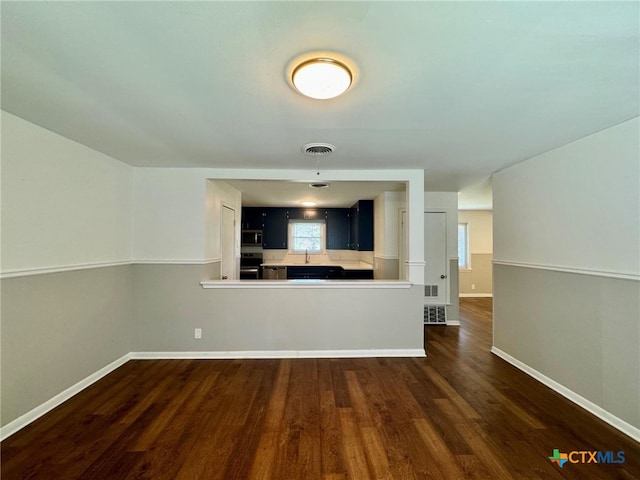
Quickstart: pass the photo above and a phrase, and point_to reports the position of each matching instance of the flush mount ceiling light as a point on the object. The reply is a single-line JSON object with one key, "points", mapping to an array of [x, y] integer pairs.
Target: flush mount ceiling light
{"points": [[309, 204], [322, 78], [319, 185]]}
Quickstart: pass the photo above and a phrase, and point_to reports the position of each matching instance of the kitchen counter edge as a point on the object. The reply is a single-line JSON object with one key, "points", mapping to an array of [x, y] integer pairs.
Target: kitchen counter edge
{"points": [[344, 265], [366, 284]]}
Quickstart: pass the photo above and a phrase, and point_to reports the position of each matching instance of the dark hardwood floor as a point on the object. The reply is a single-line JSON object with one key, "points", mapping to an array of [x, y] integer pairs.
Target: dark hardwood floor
{"points": [[460, 413]]}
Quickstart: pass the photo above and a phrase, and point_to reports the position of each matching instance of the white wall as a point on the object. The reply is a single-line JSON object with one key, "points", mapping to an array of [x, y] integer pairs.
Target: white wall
{"points": [[480, 224], [63, 204], [477, 280], [220, 193], [387, 223], [170, 212], [567, 270], [576, 206], [66, 210]]}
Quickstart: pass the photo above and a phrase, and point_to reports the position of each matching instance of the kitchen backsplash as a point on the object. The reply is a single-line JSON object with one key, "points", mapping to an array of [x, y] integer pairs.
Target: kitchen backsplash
{"points": [[330, 255]]}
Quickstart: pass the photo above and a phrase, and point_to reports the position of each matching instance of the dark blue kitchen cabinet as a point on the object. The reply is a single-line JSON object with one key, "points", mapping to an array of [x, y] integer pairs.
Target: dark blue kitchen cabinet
{"points": [[276, 228], [252, 218], [362, 226], [305, 214], [357, 274], [338, 228], [314, 272]]}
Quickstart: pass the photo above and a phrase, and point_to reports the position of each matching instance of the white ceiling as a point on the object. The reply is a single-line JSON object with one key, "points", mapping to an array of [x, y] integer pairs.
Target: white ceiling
{"points": [[478, 196], [459, 89], [291, 194]]}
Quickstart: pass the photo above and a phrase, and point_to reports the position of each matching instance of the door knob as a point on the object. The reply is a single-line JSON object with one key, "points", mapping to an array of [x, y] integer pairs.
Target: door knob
{"points": [[443, 276], [224, 277]]}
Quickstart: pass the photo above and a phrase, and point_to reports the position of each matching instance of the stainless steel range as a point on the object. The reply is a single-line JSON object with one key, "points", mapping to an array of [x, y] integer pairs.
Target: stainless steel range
{"points": [[250, 265]]}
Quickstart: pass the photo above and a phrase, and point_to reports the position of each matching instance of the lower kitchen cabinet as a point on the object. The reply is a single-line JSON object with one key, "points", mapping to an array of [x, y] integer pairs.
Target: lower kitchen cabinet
{"points": [[310, 272], [307, 272], [358, 275]]}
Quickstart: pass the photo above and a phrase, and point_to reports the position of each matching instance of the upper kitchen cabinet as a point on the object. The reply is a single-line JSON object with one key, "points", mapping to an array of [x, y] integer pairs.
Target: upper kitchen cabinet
{"points": [[338, 228], [252, 218], [362, 226], [276, 228], [305, 214]]}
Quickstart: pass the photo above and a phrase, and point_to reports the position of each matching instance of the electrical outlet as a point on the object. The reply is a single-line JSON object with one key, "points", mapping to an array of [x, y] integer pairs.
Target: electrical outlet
{"points": [[473, 286], [197, 334]]}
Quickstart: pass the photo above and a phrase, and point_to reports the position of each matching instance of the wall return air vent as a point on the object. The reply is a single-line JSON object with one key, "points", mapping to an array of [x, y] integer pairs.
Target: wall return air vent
{"points": [[435, 315]]}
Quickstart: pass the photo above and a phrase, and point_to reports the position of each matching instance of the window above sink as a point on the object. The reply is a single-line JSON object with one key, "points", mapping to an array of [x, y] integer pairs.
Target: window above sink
{"points": [[307, 236]]}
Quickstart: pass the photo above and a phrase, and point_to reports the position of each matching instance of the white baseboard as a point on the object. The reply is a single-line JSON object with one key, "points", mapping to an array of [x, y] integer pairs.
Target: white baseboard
{"points": [[32, 415], [279, 354], [476, 295], [453, 323], [579, 400]]}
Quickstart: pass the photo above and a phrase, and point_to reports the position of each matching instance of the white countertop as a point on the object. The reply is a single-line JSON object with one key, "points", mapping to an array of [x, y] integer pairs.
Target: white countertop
{"points": [[345, 264]]}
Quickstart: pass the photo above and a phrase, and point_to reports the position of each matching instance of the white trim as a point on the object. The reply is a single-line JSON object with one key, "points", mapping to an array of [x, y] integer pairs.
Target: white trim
{"points": [[87, 266], [239, 354], [24, 420], [412, 263], [175, 261], [452, 323], [386, 257], [61, 268], [261, 284], [580, 271], [224, 204], [475, 295], [579, 400], [430, 301]]}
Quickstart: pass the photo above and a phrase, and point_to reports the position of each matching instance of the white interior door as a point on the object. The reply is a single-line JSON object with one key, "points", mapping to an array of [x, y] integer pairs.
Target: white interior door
{"points": [[228, 234], [435, 256]]}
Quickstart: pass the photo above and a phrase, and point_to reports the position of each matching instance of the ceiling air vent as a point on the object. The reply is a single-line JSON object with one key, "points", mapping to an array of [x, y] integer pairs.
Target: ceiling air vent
{"points": [[318, 149], [319, 185]]}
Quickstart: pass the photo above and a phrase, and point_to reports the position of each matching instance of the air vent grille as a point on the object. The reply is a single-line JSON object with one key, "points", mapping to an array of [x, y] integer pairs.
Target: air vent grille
{"points": [[318, 149], [435, 314], [431, 290]]}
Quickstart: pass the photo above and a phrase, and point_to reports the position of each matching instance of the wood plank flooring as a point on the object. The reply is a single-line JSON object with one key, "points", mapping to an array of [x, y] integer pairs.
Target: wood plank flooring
{"points": [[459, 413]]}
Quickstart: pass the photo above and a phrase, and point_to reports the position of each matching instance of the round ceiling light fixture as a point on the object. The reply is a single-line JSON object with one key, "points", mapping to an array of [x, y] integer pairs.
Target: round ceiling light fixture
{"points": [[321, 78], [309, 204]]}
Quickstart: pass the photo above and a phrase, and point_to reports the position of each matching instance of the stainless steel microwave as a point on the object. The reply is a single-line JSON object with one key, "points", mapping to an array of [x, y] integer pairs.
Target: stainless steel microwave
{"points": [[252, 237]]}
